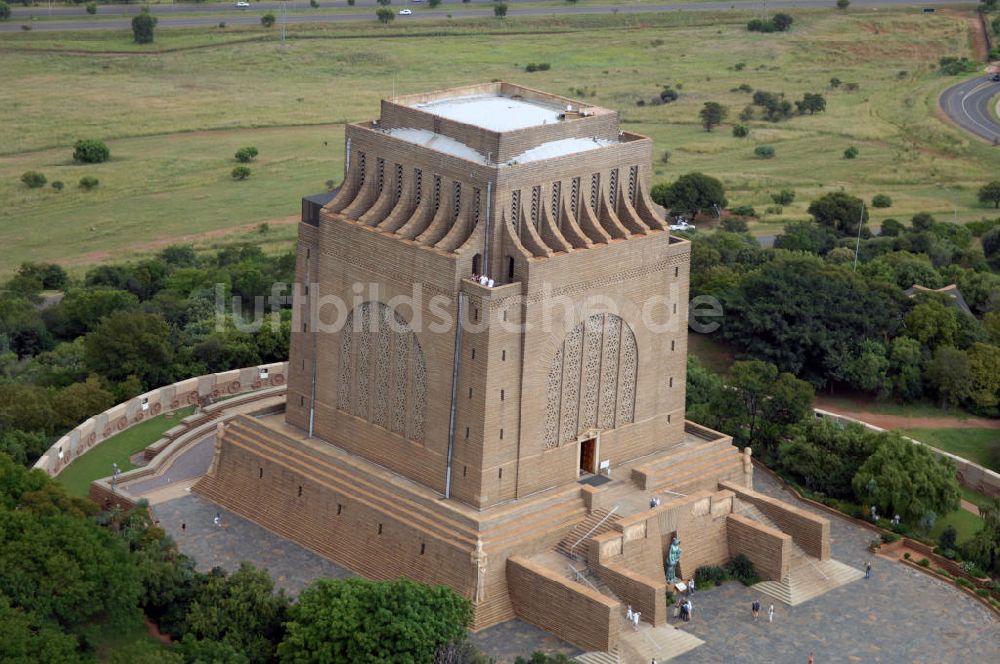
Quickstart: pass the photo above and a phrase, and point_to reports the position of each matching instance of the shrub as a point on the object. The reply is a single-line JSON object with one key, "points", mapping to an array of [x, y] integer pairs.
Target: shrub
{"points": [[972, 569], [742, 569], [947, 538], [843, 4], [668, 95], [874, 544], [783, 197], [240, 173], [385, 15], [4, 11], [889, 538], [881, 201], [734, 225], [267, 20], [57, 185], [923, 562], [764, 151], [313, 4], [743, 211], [851, 152], [91, 7], [982, 592], [34, 179], [90, 151], [541, 66], [88, 182], [500, 9], [965, 583], [781, 22], [906, 555], [953, 66], [741, 131], [943, 572], [711, 575], [774, 209]]}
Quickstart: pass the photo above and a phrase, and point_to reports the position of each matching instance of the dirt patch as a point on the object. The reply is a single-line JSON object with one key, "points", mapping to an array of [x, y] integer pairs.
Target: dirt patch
{"points": [[155, 632], [160, 243], [887, 421]]}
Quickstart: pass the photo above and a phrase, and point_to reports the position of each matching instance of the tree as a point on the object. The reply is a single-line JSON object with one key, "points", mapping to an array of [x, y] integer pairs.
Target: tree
{"points": [[91, 8], [241, 610], [990, 193], [781, 21], [28, 638], [839, 211], [433, 3], [88, 182], [824, 456], [242, 172], [843, 4], [764, 151], [362, 621], [881, 201], [905, 377], [811, 103], [143, 25], [984, 376], [851, 152], [91, 151], [712, 114], [984, 547], [500, 9], [905, 478], [950, 375], [867, 370], [385, 15], [384, 3], [267, 20], [741, 131], [132, 343], [691, 193], [783, 197], [933, 323]]}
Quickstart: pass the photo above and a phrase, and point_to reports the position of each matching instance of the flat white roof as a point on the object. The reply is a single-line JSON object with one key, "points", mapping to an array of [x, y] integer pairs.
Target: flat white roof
{"points": [[438, 142], [493, 112], [560, 148]]}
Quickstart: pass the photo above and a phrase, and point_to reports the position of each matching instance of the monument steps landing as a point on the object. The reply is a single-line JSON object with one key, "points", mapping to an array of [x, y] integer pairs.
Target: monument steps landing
{"points": [[610, 657], [808, 577], [705, 471]]}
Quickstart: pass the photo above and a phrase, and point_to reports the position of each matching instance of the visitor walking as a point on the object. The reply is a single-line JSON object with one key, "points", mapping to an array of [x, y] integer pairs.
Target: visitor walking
{"points": [[628, 613], [755, 608], [770, 614], [183, 527], [635, 620], [690, 587], [868, 569], [218, 520], [810, 658], [690, 609]]}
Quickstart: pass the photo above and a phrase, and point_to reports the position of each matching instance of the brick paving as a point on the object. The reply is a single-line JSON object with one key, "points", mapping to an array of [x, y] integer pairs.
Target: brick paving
{"points": [[899, 616]]}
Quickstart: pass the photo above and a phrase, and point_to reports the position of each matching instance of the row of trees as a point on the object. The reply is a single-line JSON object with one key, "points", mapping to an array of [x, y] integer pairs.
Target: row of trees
{"points": [[65, 568], [124, 329]]}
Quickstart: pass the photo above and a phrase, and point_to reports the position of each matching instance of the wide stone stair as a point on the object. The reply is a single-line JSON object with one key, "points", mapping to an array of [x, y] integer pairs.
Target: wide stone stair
{"points": [[694, 468], [808, 576], [641, 646], [597, 522]]}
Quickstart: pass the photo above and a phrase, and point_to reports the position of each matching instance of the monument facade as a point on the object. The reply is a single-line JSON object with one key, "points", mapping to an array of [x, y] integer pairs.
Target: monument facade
{"points": [[487, 374]]}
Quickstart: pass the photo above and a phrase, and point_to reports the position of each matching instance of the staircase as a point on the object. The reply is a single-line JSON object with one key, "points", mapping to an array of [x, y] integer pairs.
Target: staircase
{"points": [[599, 521], [695, 468], [808, 577], [643, 645]]}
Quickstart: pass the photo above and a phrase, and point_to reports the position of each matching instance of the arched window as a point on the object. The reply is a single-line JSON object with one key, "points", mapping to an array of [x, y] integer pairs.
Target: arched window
{"points": [[592, 379], [382, 375]]}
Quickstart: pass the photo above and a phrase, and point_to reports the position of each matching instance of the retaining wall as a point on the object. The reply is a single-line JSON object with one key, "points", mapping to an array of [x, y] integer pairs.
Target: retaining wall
{"points": [[165, 399]]}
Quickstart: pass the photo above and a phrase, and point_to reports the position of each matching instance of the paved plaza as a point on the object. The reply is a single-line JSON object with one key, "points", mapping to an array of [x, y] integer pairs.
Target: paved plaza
{"points": [[899, 616]]}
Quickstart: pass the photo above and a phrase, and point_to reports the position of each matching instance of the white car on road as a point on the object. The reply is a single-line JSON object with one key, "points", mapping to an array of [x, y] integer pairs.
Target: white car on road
{"points": [[681, 225], [242, 4], [405, 12]]}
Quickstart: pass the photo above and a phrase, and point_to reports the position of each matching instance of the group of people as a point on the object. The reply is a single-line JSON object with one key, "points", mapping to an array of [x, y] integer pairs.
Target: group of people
{"points": [[483, 280], [654, 502], [632, 617], [685, 608], [755, 610]]}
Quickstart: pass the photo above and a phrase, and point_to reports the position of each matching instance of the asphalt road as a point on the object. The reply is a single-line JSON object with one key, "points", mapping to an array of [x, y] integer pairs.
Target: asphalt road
{"points": [[968, 106], [187, 13]]}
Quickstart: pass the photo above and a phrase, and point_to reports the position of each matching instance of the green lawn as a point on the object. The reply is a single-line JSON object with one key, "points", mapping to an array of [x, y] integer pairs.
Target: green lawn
{"points": [[975, 497], [174, 119], [915, 409], [97, 462], [713, 354], [966, 525], [977, 445]]}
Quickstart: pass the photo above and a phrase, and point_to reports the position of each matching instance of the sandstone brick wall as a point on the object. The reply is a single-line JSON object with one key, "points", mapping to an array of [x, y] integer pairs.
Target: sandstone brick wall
{"points": [[648, 596], [699, 521], [104, 497], [570, 610], [809, 531], [768, 549]]}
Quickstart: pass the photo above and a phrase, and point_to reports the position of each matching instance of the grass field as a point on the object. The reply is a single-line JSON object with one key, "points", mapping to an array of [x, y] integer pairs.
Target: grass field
{"points": [[97, 462], [976, 445], [174, 119]]}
